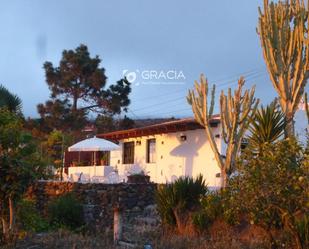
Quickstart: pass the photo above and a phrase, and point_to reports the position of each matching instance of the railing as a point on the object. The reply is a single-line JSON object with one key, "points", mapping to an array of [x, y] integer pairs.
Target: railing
{"points": [[94, 174]]}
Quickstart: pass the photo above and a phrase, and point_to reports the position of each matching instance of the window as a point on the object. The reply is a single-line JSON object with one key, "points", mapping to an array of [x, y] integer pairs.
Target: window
{"points": [[128, 153], [151, 151], [104, 158]]}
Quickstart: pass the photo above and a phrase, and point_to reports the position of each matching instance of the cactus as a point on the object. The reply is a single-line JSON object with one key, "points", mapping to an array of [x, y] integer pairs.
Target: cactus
{"points": [[235, 112], [198, 100], [306, 106], [283, 31]]}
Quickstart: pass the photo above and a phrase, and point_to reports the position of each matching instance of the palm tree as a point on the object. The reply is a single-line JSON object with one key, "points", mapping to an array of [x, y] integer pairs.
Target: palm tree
{"points": [[9, 100], [267, 126]]}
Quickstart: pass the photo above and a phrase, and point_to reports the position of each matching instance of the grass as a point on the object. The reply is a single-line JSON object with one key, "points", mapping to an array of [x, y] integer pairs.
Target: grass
{"points": [[63, 239]]}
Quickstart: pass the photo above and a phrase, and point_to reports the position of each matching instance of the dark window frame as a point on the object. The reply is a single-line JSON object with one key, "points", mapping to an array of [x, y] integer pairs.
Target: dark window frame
{"points": [[128, 153], [149, 141]]}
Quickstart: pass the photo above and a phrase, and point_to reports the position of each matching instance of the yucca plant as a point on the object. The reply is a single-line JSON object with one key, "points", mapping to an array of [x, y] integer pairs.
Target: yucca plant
{"points": [[176, 201], [267, 126], [10, 101]]}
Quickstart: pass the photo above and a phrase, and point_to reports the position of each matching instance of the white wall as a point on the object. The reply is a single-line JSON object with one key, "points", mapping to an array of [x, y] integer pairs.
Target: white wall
{"points": [[90, 170], [175, 158]]}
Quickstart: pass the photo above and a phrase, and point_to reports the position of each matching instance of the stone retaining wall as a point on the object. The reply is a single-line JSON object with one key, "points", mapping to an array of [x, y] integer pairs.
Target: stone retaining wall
{"points": [[99, 200]]}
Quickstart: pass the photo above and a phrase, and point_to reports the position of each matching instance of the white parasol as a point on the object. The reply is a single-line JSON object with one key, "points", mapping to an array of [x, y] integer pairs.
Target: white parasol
{"points": [[94, 144]]}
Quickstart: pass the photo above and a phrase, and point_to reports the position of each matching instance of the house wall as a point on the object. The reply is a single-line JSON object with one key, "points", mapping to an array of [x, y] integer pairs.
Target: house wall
{"points": [[174, 157], [89, 171]]}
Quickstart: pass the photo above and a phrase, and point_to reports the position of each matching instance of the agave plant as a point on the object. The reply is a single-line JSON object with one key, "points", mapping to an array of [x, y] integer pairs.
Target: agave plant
{"points": [[10, 101], [177, 200], [267, 126]]}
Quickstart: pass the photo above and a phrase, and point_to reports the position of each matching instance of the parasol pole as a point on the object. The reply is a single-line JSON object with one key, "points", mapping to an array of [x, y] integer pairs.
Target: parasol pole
{"points": [[95, 163]]}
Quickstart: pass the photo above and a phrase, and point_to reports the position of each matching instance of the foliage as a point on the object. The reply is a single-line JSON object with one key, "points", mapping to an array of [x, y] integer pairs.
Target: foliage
{"points": [[126, 123], [215, 205], [302, 226], [211, 210], [235, 113], [66, 211], [57, 114], [176, 200], [10, 101], [54, 146], [266, 126], [271, 187], [29, 218], [106, 123], [77, 86], [283, 31], [20, 165]]}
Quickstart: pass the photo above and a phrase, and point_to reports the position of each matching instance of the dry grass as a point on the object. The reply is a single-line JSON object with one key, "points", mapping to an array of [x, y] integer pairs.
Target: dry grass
{"points": [[158, 239], [64, 240]]}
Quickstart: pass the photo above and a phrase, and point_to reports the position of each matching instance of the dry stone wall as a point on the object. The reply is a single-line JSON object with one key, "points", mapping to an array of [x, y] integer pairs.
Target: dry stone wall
{"points": [[99, 200]]}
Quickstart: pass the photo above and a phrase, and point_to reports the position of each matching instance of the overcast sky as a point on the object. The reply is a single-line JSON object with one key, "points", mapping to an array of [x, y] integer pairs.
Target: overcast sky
{"points": [[217, 38]]}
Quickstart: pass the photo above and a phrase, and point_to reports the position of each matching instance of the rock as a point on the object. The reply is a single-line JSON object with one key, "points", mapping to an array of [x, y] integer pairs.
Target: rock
{"points": [[136, 209]]}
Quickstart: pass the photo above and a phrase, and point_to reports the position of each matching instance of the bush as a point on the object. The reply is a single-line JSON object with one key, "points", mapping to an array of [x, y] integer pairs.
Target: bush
{"points": [[29, 218], [271, 187], [66, 211], [178, 200], [214, 205], [303, 230], [211, 209]]}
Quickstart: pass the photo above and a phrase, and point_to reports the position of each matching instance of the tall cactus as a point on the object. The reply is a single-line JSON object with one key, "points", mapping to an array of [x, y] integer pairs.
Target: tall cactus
{"points": [[283, 31], [198, 100], [306, 106], [235, 112]]}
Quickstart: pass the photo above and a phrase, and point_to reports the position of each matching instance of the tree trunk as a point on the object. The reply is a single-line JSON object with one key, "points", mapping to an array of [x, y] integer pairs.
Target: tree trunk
{"points": [[5, 229], [11, 208], [184, 222], [296, 236], [289, 128], [223, 178], [74, 106], [217, 155], [273, 243]]}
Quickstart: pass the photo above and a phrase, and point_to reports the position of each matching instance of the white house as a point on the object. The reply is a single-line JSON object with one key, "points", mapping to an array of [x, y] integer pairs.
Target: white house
{"points": [[167, 151]]}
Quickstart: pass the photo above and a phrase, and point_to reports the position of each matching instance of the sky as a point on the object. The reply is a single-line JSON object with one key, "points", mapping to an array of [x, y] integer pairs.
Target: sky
{"points": [[165, 44]]}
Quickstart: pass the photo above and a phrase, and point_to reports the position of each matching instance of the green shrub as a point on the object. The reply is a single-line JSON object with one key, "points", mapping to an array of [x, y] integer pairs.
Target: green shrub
{"points": [[271, 188], [29, 218], [183, 195], [66, 211], [211, 209], [303, 230], [214, 205]]}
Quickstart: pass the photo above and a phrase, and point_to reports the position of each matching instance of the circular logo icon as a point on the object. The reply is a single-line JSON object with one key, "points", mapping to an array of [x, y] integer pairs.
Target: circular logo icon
{"points": [[130, 75]]}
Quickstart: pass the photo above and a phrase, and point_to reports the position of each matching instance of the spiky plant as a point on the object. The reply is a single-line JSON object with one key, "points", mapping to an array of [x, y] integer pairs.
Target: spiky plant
{"points": [[10, 101], [175, 201], [283, 31], [267, 126], [235, 112]]}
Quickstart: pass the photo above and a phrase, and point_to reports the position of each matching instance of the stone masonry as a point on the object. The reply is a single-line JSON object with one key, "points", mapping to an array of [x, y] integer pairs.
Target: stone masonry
{"points": [[99, 200]]}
